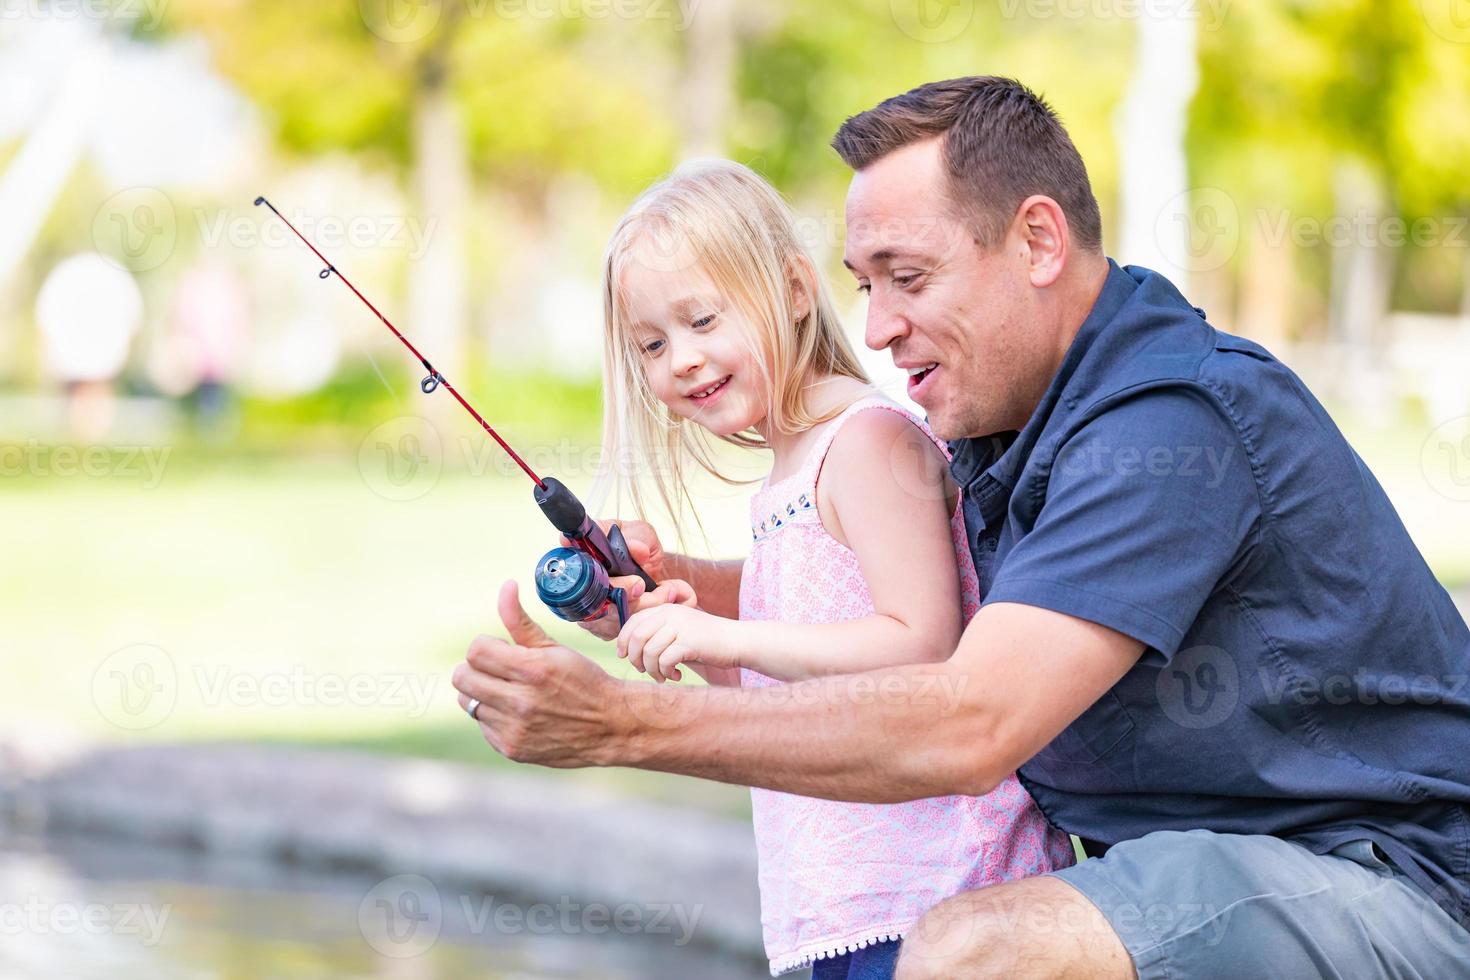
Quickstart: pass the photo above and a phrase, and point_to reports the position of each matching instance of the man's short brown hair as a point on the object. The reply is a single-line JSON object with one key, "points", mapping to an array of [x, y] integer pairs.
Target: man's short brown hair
{"points": [[1002, 143]]}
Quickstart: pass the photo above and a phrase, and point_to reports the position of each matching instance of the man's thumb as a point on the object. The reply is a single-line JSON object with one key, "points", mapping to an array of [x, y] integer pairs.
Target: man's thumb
{"points": [[523, 629]]}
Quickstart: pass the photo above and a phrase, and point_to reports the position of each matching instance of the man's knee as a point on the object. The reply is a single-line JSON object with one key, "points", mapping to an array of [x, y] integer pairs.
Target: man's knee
{"points": [[1039, 927]]}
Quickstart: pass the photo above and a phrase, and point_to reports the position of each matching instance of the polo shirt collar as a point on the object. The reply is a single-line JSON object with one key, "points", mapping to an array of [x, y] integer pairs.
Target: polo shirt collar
{"points": [[1001, 457]]}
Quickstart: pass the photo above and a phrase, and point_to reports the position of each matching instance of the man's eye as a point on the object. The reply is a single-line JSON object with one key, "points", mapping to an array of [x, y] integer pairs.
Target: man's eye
{"points": [[904, 282], [865, 287]]}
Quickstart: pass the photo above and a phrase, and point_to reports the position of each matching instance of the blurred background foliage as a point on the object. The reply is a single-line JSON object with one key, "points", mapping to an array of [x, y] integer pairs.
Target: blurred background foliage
{"points": [[463, 161]]}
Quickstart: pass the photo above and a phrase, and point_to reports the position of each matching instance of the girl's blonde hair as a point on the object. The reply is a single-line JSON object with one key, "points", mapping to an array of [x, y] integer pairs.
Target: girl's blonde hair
{"points": [[724, 220]]}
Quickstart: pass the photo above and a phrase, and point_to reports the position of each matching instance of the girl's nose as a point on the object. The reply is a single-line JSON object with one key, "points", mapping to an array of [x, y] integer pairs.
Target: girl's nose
{"points": [[688, 359]]}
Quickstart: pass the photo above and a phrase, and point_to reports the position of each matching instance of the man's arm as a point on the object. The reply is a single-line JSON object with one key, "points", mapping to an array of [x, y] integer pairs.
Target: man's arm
{"points": [[1020, 676], [715, 583]]}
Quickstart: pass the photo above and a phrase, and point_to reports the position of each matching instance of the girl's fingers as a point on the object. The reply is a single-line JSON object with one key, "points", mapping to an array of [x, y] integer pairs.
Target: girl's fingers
{"points": [[654, 648], [636, 639], [669, 660]]}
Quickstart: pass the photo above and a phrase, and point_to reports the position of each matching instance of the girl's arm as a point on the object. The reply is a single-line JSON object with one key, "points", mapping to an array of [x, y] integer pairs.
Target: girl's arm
{"points": [[885, 492]]}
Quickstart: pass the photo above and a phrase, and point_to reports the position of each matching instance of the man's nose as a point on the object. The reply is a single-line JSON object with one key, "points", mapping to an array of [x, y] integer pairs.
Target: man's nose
{"points": [[884, 325]]}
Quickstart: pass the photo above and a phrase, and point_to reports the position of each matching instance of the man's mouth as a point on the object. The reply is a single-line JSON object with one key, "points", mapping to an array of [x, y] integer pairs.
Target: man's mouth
{"points": [[713, 390], [918, 376]]}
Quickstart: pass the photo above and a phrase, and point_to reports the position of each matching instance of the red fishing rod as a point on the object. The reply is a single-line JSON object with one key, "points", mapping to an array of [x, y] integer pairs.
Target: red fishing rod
{"points": [[572, 581]]}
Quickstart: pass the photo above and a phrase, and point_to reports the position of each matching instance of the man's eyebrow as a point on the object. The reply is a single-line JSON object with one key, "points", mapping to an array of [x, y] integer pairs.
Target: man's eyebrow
{"points": [[882, 255]]}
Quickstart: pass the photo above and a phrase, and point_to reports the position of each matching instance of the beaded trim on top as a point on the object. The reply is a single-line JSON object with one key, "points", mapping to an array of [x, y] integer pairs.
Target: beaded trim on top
{"points": [[777, 521]]}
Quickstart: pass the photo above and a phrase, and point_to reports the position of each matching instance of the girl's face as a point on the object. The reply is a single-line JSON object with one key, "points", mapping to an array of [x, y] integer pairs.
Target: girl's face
{"points": [[695, 345]]}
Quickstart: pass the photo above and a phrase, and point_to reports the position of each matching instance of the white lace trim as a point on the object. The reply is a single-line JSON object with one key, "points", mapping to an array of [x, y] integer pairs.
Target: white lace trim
{"points": [[805, 958]]}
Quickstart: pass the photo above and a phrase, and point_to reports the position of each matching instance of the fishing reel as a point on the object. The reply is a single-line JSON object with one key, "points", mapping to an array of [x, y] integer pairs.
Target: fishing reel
{"points": [[574, 582]]}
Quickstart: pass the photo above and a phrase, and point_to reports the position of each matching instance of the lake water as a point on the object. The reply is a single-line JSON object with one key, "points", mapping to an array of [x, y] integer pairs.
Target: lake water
{"points": [[81, 907]]}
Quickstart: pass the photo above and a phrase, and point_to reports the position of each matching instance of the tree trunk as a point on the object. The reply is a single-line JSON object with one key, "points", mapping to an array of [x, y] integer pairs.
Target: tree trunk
{"points": [[1157, 210]]}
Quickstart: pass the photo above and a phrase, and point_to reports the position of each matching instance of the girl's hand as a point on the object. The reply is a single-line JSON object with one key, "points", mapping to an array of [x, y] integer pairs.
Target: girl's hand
{"points": [[657, 640]]}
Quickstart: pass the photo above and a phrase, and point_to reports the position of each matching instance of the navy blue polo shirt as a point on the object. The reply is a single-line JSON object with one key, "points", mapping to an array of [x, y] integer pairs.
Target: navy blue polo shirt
{"points": [[1304, 675]]}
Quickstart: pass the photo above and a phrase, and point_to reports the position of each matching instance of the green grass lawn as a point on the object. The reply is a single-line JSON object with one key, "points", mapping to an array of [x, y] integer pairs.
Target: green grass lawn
{"points": [[288, 600]]}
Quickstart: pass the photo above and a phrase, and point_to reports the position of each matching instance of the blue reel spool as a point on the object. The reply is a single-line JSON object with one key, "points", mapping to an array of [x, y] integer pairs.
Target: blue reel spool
{"points": [[575, 587]]}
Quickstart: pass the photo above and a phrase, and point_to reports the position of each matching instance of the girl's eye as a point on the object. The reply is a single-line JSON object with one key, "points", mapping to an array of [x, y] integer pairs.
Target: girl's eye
{"points": [[704, 321], [652, 347]]}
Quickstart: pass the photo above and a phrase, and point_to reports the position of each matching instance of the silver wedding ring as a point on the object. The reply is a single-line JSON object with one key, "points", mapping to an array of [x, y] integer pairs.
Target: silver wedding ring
{"points": [[472, 707]]}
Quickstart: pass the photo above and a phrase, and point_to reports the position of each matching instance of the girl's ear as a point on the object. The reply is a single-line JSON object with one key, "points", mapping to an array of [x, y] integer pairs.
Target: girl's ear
{"points": [[800, 282]]}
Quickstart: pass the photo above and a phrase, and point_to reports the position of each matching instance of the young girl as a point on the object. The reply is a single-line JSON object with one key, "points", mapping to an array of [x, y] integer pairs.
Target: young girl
{"points": [[718, 326]]}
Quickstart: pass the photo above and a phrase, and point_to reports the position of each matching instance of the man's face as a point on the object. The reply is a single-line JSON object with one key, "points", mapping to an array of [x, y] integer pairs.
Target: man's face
{"points": [[955, 315]]}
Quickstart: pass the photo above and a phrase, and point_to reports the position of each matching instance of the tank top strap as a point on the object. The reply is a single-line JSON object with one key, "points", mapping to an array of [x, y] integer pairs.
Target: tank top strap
{"points": [[812, 467]]}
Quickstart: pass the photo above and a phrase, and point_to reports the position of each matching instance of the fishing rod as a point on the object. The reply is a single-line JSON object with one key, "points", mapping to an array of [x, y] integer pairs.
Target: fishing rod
{"points": [[572, 581]]}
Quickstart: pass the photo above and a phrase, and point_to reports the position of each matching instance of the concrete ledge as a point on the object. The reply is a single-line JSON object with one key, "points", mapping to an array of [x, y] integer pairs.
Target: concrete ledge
{"points": [[456, 825]]}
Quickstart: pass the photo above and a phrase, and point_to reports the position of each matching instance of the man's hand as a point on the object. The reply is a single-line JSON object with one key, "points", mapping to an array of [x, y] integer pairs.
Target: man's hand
{"points": [[539, 701]]}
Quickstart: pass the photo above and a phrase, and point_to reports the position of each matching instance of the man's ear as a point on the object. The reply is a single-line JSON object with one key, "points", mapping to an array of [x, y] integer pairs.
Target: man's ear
{"points": [[1041, 226]]}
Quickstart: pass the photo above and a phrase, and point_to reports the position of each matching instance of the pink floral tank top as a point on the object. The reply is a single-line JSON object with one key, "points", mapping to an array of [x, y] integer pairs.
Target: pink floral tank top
{"points": [[835, 877]]}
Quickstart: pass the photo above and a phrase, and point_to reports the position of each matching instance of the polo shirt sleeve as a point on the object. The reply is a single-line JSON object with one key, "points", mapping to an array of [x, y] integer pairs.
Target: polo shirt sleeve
{"points": [[1147, 507]]}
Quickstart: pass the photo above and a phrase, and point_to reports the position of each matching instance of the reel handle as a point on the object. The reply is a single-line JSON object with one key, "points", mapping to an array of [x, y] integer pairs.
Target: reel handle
{"points": [[567, 515]]}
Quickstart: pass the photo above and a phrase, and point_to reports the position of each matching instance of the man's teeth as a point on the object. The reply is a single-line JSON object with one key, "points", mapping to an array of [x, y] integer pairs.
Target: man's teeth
{"points": [[921, 370]]}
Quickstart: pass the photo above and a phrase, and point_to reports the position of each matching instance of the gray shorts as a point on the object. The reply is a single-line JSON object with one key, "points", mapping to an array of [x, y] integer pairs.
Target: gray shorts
{"points": [[1200, 904]]}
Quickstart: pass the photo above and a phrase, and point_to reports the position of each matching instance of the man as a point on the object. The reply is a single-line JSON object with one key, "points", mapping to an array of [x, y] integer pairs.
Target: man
{"points": [[1208, 644]]}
